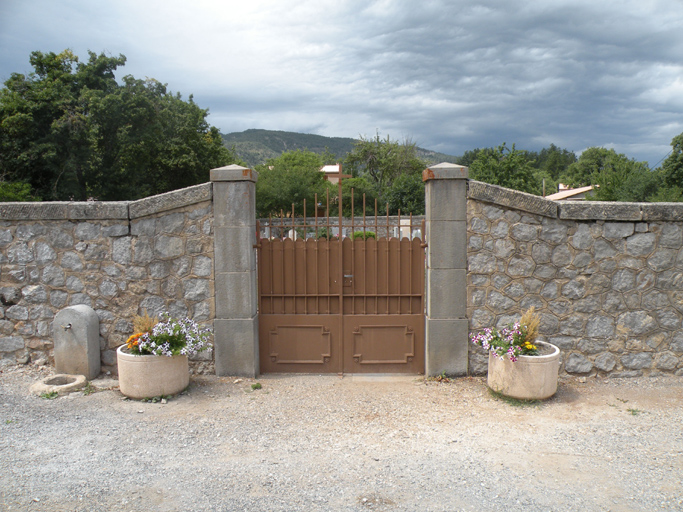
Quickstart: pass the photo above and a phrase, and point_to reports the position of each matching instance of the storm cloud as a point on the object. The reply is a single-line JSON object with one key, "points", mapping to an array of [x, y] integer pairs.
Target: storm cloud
{"points": [[452, 76]]}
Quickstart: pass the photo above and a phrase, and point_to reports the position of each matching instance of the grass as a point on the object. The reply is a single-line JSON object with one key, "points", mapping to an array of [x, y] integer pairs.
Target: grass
{"points": [[89, 389], [49, 396], [256, 386], [514, 402], [439, 378], [635, 412]]}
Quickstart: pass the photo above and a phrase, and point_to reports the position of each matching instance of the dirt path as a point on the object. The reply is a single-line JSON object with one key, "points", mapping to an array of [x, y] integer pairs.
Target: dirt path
{"points": [[325, 443]]}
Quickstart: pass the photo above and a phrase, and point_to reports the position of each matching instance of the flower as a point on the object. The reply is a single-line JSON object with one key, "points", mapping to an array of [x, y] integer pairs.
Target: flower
{"points": [[171, 337], [512, 341], [133, 341]]}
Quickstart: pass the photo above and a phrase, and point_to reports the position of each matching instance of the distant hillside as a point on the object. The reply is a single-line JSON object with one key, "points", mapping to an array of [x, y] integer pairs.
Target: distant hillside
{"points": [[256, 146]]}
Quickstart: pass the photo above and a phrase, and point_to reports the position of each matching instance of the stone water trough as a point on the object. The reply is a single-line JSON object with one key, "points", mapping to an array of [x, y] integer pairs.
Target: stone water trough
{"points": [[61, 384]]}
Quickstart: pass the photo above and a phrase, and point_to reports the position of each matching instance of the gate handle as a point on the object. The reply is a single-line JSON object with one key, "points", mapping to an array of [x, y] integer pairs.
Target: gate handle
{"points": [[348, 275]]}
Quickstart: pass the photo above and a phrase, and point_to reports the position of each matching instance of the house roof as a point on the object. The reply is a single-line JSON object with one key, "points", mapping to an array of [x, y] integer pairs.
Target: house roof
{"points": [[566, 194]]}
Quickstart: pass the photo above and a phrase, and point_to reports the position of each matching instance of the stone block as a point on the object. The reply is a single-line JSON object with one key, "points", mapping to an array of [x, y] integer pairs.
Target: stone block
{"points": [[116, 230], [446, 293], [512, 198], [234, 204], [600, 210], [446, 347], [236, 346], [446, 200], [170, 200], [234, 249], [236, 295], [77, 341], [11, 343], [447, 244], [233, 173], [577, 363]]}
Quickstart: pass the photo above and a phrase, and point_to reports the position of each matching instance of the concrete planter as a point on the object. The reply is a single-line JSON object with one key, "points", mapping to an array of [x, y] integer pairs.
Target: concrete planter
{"points": [[150, 376], [528, 378]]}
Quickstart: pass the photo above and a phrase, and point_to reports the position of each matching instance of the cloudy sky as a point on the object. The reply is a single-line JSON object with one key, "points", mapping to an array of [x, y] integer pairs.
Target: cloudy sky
{"points": [[450, 75]]}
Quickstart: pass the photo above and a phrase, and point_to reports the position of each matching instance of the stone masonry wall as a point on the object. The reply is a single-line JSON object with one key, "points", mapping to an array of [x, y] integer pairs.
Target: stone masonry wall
{"points": [[607, 278], [120, 258]]}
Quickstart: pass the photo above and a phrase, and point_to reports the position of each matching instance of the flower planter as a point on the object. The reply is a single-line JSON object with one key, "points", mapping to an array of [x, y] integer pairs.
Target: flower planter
{"points": [[149, 375], [528, 378]]}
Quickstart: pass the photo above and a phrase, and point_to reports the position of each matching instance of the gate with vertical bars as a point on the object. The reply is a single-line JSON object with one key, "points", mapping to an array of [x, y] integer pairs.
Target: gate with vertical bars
{"points": [[334, 302]]}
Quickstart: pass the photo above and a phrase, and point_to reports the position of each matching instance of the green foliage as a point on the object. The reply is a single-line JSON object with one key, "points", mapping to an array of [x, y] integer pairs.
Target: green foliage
{"points": [[72, 132], [672, 168], [553, 161], [407, 194], [256, 386], [363, 235], [514, 402], [381, 161], [507, 167], [49, 395], [255, 147], [16, 191], [289, 179], [616, 177], [360, 187]]}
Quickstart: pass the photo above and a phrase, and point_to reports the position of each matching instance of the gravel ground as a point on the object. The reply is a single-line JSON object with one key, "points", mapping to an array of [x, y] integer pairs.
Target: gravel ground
{"points": [[319, 443]]}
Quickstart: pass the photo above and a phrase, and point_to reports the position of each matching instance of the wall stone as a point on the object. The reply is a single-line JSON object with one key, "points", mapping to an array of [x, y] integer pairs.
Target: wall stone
{"points": [[606, 280], [155, 254]]}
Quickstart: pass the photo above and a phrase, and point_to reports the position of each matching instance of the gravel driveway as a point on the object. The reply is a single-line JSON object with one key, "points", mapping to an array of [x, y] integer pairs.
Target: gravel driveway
{"points": [[326, 443]]}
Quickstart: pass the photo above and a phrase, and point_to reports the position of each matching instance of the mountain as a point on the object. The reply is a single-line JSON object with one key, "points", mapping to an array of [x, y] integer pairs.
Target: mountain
{"points": [[256, 146]]}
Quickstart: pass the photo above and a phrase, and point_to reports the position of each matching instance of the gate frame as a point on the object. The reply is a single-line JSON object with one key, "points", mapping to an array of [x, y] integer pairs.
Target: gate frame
{"points": [[447, 327], [236, 343]]}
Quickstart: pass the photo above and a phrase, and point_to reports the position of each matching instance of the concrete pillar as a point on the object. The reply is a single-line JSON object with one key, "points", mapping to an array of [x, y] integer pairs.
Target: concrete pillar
{"points": [[236, 323], [446, 281], [77, 341]]}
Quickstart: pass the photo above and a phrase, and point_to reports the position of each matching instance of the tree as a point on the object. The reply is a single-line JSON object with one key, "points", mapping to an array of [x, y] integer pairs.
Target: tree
{"points": [[383, 160], [672, 169], [360, 187], [289, 179], [507, 167], [70, 131], [554, 161], [616, 177], [407, 194]]}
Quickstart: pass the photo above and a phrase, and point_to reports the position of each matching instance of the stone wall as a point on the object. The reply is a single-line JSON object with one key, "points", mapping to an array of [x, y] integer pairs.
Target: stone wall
{"points": [[607, 278], [120, 258]]}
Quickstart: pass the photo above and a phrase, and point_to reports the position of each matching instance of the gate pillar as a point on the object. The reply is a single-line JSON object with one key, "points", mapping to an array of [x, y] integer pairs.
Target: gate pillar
{"points": [[236, 321], [446, 324]]}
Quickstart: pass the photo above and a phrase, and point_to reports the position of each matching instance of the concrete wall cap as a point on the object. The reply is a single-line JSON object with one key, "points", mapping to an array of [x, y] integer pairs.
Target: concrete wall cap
{"points": [[445, 171], [600, 210], [662, 211], [48, 210], [170, 200], [233, 173], [98, 210], [512, 198]]}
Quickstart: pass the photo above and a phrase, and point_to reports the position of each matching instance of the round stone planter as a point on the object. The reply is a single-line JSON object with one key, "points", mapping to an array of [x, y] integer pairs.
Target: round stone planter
{"points": [[150, 376], [528, 378]]}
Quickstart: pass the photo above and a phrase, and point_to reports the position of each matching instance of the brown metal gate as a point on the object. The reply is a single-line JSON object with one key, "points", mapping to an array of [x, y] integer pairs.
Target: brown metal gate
{"points": [[341, 305]]}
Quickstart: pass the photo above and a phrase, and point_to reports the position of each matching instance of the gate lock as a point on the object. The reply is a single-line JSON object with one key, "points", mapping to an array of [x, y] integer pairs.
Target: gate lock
{"points": [[348, 279]]}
